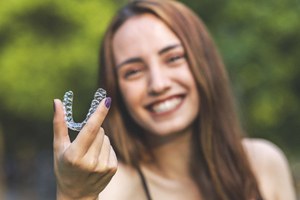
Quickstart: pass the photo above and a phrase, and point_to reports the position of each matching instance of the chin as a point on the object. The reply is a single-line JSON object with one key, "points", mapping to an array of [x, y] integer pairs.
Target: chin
{"points": [[168, 130]]}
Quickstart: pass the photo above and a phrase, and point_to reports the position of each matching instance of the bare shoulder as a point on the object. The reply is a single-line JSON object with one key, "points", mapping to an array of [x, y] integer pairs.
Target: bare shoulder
{"points": [[271, 168], [265, 155], [264, 151], [124, 185]]}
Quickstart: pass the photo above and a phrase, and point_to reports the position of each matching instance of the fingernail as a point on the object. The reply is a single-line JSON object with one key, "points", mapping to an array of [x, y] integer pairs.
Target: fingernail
{"points": [[54, 105], [107, 102]]}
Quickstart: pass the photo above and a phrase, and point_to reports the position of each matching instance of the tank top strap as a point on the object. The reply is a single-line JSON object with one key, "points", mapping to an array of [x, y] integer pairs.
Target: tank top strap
{"points": [[144, 183]]}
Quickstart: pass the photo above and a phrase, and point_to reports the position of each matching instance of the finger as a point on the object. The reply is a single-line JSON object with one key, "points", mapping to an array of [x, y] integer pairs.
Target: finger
{"points": [[93, 152], [110, 168], [88, 133], [112, 161], [104, 155], [60, 130], [99, 115]]}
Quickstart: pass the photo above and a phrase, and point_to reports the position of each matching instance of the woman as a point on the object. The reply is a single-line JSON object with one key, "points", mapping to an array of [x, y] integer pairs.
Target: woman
{"points": [[172, 125]]}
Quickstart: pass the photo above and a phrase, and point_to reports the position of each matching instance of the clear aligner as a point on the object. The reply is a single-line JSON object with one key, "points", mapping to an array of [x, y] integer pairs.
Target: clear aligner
{"points": [[68, 101]]}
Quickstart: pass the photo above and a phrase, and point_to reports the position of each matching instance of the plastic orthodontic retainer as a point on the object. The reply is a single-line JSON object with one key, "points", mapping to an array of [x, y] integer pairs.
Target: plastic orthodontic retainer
{"points": [[68, 101]]}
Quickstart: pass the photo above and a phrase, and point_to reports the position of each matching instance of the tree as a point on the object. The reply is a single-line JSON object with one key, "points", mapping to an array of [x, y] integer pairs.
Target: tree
{"points": [[260, 45]]}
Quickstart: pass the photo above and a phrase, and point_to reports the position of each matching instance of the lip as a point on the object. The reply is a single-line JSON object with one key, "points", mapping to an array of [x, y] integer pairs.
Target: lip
{"points": [[150, 105]]}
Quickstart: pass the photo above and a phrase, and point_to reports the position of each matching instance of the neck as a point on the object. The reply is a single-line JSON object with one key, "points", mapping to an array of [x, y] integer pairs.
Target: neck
{"points": [[172, 155]]}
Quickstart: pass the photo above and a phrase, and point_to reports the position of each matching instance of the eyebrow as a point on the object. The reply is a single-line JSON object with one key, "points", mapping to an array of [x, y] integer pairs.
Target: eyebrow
{"points": [[168, 48], [128, 61], [137, 59]]}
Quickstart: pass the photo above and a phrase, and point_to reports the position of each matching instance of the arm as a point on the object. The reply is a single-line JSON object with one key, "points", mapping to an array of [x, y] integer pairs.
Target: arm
{"points": [[281, 174], [85, 166]]}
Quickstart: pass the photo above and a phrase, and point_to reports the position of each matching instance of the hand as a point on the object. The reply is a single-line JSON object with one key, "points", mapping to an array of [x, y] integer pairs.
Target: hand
{"points": [[85, 166]]}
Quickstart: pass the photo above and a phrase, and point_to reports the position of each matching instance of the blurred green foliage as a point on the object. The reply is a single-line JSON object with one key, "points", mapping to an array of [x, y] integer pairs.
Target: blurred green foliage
{"points": [[48, 47], [260, 44]]}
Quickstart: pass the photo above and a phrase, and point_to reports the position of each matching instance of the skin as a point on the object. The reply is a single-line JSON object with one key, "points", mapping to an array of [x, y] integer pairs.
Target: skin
{"points": [[153, 72], [151, 78], [88, 160], [267, 160], [271, 169]]}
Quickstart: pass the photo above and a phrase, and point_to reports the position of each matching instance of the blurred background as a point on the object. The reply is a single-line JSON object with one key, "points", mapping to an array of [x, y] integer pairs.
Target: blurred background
{"points": [[51, 46]]}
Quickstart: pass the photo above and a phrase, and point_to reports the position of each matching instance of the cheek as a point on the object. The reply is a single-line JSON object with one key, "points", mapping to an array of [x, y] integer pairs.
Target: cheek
{"points": [[187, 73], [187, 77], [126, 94], [132, 94]]}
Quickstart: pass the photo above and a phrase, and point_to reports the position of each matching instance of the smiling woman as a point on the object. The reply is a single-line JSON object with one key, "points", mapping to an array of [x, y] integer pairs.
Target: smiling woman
{"points": [[172, 124], [156, 97]]}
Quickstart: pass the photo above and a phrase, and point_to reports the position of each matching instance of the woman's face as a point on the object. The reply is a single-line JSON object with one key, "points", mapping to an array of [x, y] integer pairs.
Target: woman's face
{"points": [[156, 83]]}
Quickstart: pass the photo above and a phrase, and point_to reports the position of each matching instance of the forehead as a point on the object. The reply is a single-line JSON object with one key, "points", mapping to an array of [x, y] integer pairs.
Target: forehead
{"points": [[143, 33]]}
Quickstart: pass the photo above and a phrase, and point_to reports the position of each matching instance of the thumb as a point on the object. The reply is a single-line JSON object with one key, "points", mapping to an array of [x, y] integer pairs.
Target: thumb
{"points": [[60, 130]]}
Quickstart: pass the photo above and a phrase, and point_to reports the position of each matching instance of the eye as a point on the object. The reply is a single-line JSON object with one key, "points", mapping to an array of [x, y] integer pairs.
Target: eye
{"points": [[132, 72], [176, 59]]}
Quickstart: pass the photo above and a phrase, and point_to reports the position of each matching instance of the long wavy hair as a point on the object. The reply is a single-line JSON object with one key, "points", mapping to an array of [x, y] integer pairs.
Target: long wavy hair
{"points": [[219, 165]]}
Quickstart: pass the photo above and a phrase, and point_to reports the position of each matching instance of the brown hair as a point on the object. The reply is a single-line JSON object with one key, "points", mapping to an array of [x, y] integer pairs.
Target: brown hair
{"points": [[219, 165]]}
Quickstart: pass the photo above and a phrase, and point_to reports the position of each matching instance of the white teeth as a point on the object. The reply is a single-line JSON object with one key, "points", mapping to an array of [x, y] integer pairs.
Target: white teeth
{"points": [[166, 105]]}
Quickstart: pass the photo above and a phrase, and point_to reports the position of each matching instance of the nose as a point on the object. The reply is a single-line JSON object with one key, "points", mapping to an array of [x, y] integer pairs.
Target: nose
{"points": [[159, 81]]}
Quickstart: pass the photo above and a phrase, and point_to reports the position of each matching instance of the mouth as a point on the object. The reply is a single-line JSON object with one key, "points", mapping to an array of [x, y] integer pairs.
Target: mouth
{"points": [[166, 106]]}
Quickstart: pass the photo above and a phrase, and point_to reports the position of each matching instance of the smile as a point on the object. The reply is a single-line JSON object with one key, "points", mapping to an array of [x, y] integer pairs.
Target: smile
{"points": [[166, 105]]}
